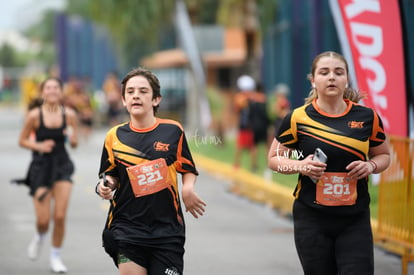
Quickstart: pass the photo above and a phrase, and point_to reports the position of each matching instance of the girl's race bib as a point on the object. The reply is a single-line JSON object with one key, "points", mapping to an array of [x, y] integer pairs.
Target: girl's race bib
{"points": [[149, 177], [335, 189]]}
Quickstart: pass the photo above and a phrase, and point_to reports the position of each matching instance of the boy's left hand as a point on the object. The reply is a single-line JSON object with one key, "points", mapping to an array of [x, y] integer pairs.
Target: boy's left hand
{"points": [[192, 202]]}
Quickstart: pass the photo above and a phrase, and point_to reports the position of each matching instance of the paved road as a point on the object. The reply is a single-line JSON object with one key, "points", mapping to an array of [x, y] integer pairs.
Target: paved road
{"points": [[236, 236]]}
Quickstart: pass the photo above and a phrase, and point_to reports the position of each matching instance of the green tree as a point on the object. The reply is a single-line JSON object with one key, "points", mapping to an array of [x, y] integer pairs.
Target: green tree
{"points": [[8, 56], [135, 26], [140, 27], [44, 33]]}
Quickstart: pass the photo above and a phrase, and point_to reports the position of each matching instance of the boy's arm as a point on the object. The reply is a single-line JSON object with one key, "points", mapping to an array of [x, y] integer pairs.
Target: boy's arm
{"points": [[192, 202]]}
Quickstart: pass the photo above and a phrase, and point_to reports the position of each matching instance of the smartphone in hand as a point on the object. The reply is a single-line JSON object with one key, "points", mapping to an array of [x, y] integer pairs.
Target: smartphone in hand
{"points": [[319, 155]]}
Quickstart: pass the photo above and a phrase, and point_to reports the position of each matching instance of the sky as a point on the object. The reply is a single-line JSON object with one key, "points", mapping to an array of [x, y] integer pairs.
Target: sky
{"points": [[18, 14]]}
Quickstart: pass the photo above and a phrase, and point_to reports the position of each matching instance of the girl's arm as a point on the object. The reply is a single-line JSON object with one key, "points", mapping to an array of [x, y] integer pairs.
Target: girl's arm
{"points": [[279, 160], [72, 120], [380, 155], [379, 160], [26, 139]]}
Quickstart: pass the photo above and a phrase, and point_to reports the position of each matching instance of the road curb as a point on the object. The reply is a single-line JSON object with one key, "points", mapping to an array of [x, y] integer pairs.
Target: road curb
{"points": [[250, 185]]}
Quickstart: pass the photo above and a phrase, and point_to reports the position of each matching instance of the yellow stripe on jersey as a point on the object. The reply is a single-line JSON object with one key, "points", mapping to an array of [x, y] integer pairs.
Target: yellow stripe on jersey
{"points": [[301, 123]]}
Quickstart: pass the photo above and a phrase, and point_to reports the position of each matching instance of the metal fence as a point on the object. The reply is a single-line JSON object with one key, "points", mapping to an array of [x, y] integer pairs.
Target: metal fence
{"points": [[395, 221]]}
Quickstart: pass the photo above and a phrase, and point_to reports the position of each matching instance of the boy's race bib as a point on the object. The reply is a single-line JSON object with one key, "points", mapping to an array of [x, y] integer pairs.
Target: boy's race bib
{"points": [[149, 177], [335, 189]]}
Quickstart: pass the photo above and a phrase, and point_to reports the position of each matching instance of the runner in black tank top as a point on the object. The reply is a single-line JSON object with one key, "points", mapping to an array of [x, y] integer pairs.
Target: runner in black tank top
{"points": [[47, 168], [50, 170]]}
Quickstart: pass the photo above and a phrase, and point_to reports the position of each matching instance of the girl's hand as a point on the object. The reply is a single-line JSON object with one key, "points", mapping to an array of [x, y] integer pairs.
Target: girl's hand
{"points": [[360, 169], [73, 141], [45, 146], [314, 168]]}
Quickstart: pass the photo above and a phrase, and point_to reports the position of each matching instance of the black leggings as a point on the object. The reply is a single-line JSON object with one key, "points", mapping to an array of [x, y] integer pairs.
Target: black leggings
{"points": [[331, 245]]}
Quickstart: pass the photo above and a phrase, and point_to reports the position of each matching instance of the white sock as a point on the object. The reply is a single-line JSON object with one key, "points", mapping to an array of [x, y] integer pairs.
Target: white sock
{"points": [[40, 237], [55, 252]]}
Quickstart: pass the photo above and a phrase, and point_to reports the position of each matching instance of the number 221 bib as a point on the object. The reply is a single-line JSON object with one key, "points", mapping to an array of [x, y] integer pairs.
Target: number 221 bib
{"points": [[149, 177]]}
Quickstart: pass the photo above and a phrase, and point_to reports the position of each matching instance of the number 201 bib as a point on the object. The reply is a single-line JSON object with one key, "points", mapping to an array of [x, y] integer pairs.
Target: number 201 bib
{"points": [[335, 189], [149, 177]]}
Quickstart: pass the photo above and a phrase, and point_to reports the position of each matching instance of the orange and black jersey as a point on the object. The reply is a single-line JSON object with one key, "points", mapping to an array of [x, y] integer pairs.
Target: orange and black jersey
{"points": [[151, 219], [344, 138]]}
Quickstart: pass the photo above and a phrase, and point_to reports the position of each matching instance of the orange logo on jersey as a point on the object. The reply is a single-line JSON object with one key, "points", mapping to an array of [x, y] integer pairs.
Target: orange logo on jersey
{"points": [[159, 146], [356, 124]]}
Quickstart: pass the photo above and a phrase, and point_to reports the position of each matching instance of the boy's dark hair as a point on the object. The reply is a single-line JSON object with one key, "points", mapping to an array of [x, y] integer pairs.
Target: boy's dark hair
{"points": [[152, 80]]}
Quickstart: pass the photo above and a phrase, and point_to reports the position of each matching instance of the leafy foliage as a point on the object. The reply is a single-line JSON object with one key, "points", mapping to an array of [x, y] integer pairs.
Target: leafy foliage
{"points": [[7, 56], [140, 28], [135, 26]]}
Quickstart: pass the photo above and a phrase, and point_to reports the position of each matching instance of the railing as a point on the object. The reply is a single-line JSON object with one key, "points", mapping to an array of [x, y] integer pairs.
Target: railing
{"points": [[395, 220]]}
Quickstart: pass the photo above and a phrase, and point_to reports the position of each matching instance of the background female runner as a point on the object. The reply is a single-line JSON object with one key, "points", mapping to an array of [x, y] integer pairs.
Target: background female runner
{"points": [[45, 132]]}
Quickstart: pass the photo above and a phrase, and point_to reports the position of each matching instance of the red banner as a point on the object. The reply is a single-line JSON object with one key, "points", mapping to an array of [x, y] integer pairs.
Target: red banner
{"points": [[371, 37]]}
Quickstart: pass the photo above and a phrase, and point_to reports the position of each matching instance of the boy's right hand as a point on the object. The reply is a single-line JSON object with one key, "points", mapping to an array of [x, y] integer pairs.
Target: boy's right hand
{"points": [[105, 189]]}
